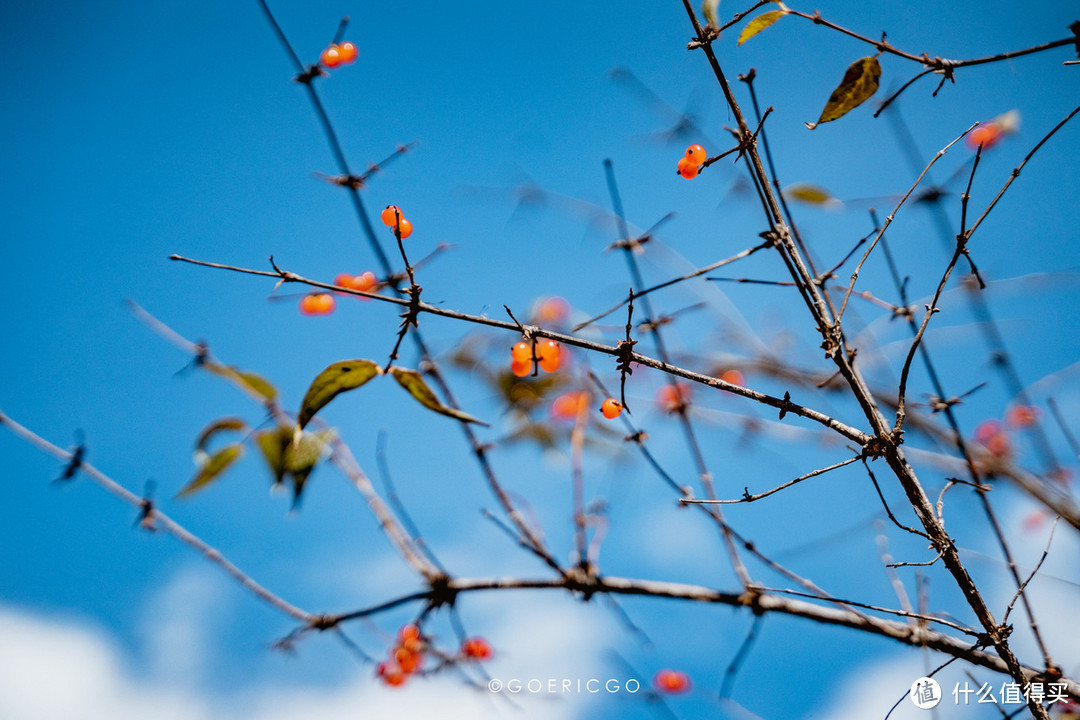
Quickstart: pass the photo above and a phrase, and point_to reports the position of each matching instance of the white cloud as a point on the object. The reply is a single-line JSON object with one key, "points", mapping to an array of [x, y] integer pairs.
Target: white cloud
{"points": [[52, 668]]}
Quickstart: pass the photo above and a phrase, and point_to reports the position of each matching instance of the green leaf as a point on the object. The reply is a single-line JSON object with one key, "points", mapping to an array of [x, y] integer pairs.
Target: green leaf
{"points": [[758, 24], [259, 384], [220, 425], [414, 383], [212, 467], [272, 444], [859, 83], [331, 382], [302, 455]]}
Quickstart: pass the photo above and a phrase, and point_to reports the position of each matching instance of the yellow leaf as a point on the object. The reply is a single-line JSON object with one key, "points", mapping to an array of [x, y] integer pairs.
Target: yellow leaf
{"points": [[412, 381], [859, 83], [810, 194], [758, 24]]}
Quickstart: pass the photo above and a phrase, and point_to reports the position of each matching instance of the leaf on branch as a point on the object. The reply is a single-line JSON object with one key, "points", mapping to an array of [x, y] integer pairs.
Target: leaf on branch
{"points": [[253, 382], [259, 384], [220, 425], [859, 84], [331, 382], [211, 468], [758, 24], [272, 444], [412, 381], [811, 195], [293, 455]]}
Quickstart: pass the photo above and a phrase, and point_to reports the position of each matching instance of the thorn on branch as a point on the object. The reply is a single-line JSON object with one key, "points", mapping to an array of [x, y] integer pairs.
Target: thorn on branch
{"points": [[308, 75], [78, 454], [786, 405]]}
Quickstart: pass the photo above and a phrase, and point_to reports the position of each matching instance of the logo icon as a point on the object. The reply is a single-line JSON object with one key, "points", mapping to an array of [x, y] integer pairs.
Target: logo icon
{"points": [[925, 693]]}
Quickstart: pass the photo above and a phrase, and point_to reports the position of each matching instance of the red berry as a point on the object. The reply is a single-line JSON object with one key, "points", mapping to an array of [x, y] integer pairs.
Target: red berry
{"points": [[671, 681], [347, 52], [688, 169], [611, 408], [331, 56], [986, 430], [476, 648], [1022, 415], [404, 228], [696, 154], [549, 354], [390, 215]]}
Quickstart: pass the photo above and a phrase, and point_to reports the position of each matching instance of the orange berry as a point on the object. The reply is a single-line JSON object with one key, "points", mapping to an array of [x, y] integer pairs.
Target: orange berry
{"points": [[347, 52], [696, 154], [408, 661], [521, 351], [688, 169], [569, 404], [1022, 415], [998, 445], [331, 56], [476, 648], [552, 311], [549, 354], [733, 377], [611, 408], [987, 135], [404, 228], [671, 681], [670, 398], [365, 281], [390, 215], [413, 645], [317, 304], [521, 368], [409, 632], [394, 678], [343, 280]]}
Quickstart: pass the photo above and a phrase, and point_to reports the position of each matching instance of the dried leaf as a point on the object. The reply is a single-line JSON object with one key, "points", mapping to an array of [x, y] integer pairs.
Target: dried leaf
{"points": [[758, 24], [412, 381], [331, 382], [213, 466], [220, 425], [859, 83], [302, 455]]}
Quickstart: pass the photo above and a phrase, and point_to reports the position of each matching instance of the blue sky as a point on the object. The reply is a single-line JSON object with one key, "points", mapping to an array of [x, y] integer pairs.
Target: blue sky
{"points": [[139, 130]]}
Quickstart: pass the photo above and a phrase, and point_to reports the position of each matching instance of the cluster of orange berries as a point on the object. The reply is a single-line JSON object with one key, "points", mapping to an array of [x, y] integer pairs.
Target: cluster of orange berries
{"points": [[671, 681], [476, 648], [364, 282], [317, 304], [406, 657], [338, 54], [394, 219], [548, 355], [690, 164]]}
